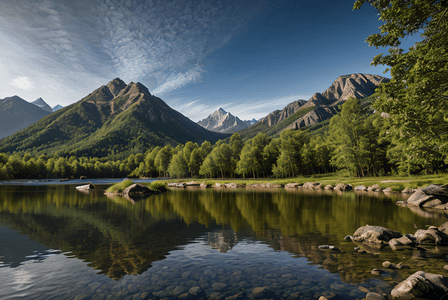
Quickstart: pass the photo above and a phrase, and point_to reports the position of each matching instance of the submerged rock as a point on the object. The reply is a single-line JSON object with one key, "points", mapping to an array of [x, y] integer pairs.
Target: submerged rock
{"points": [[421, 285], [374, 235]]}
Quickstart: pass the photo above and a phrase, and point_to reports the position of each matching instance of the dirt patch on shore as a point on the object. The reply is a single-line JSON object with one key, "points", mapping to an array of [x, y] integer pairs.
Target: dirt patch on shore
{"points": [[386, 181]]}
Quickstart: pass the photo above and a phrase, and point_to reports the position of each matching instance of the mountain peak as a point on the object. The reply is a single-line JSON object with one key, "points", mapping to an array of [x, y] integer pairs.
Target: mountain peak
{"points": [[221, 110], [42, 104], [222, 121], [116, 85]]}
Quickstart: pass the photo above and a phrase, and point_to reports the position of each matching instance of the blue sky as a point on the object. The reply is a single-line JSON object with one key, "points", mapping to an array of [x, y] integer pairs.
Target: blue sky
{"points": [[248, 57]]}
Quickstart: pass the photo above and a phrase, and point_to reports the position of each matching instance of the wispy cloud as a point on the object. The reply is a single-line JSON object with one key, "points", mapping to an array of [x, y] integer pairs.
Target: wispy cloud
{"points": [[23, 83], [73, 46]]}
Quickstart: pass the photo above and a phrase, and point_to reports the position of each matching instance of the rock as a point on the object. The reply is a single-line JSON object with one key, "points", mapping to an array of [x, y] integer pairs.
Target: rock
{"points": [[136, 190], [404, 241], [192, 183], [388, 190], [433, 196], [197, 292], [444, 228], [292, 185], [215, 296], [328, 247], [219, 185], [311, 185], [328, 187], [408, 191], [263, 293], [238, 296], [431, 236], [374, 188], [234, 185], [377, 272], [86, 187], [361, 188], [272, 185], [218, 286], [83, 177], [374, 235], [445, 267], [363, 289], [374, 296], [204, 185], [343, 187], [176, 184], [421, 285]]}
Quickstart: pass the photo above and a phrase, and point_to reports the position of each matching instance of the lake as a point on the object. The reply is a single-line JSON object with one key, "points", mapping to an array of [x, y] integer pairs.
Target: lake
{"points": [[60, 243]]}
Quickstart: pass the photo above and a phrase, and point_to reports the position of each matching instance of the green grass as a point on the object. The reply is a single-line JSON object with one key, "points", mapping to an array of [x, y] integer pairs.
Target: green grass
{"points": [[119, 187], [157, 186], [335, 178]]}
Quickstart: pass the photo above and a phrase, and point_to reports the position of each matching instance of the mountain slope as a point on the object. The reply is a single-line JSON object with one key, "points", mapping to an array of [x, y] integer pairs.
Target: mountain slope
{"points": [[42, 104], [225, 122], [319, 107], [114, 118], [17, 114]]}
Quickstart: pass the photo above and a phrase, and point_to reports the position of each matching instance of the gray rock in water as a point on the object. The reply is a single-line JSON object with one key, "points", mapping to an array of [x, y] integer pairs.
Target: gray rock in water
{"points": [[434, 196], [421, 285], [402, 242], [136, 190], [374, 235], [374, 296], [431, 236]]}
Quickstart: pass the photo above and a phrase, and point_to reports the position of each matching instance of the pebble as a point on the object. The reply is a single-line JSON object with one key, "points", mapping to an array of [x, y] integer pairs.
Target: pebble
{"points": [[374, 296], [218, 286]]}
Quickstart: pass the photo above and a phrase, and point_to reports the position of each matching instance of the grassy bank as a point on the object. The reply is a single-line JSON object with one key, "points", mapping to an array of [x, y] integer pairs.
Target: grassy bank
{"points": [[397, 183], [157, 186]]}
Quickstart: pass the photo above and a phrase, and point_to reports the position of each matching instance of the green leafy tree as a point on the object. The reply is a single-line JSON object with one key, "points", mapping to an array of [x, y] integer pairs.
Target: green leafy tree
{"points": [[195, 162], [178, 167], [415, 99], [289, 163], [163, 159]]}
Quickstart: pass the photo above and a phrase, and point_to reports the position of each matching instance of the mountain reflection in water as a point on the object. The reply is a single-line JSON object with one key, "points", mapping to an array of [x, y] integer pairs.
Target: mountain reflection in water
{"points": [[121, 237]]}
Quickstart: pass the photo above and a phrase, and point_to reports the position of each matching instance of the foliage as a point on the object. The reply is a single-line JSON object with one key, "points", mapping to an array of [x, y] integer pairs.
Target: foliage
{"points": [[119, 187], [415, 98]]}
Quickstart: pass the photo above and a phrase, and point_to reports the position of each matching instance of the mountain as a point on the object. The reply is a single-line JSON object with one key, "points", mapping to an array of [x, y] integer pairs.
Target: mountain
{"points": [[114, 118], [17, 114], [225, 122], [57, 107], [42, 104], [319, 107]]}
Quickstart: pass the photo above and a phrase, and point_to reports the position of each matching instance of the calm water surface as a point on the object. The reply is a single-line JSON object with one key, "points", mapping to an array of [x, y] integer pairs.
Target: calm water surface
{"points": [[59, 243]]}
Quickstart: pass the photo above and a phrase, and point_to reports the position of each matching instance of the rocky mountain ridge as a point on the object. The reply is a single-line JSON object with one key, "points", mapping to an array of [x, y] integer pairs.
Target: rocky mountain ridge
{"points": [[320, 107], [116, 117], [225, 122]]}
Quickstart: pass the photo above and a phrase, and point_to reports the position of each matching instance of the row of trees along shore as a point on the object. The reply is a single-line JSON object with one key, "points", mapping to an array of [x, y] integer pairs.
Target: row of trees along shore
{"points": [[406, 132], [355, 141]]}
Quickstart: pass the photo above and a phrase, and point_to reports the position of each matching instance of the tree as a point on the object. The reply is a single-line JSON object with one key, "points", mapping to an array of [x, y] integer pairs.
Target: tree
{"points": [[195, 162], [289, 162], [178, 166], [162, 159], [415, 98]]}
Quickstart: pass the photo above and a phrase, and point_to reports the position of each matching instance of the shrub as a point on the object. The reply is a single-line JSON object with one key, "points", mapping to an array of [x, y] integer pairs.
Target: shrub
{"points": [[119, 187]]}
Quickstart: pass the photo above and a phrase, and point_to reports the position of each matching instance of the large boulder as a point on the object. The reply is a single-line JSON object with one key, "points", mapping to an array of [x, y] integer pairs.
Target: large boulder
{"points": [[136, 190], [432, 236], [421, 285], [312, 185], [374, 235], [433, 196]]}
